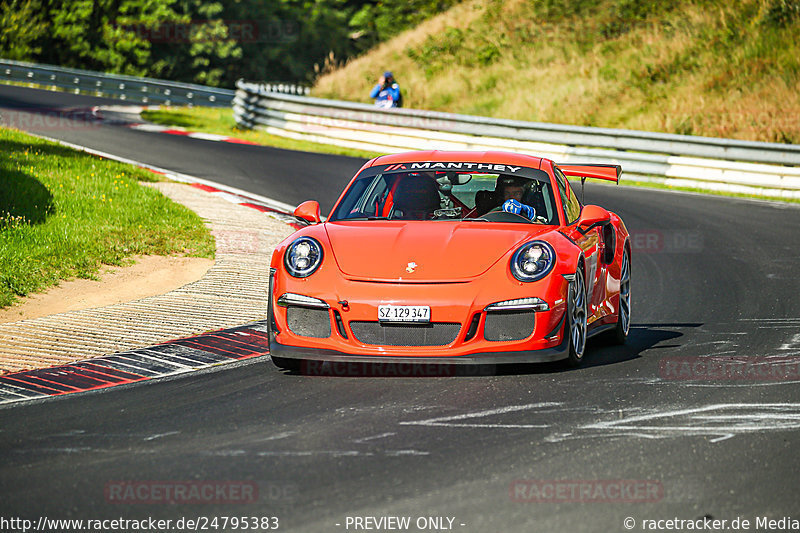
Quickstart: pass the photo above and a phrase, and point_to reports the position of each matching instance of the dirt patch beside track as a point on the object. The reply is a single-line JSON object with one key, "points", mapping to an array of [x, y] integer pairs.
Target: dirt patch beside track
{"points": [[150, 275]]}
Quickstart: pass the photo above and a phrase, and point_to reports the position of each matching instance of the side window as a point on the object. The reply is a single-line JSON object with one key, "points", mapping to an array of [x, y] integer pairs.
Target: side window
{"points": [[363, 198], [572, 206], [561, 180]]}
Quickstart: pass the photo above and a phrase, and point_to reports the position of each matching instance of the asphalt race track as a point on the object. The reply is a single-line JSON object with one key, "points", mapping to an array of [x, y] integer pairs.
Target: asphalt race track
{"points": [[714, 279]]}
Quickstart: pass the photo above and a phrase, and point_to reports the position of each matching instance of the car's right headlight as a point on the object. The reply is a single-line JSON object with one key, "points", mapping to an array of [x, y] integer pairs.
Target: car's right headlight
{"points": [[533, 261], [303, 257]]}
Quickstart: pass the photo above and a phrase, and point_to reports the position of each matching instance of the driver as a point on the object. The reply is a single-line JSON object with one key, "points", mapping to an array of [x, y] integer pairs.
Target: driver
{"points": [[511, 190], [416, 197]]}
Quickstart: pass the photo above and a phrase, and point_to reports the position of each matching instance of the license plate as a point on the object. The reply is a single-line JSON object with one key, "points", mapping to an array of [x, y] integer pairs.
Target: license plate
{"points": [[404, 313]]}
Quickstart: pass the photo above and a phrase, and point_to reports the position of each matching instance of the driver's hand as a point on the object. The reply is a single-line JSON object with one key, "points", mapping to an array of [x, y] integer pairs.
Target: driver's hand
{"points": [[381, 80], [518, 208]]}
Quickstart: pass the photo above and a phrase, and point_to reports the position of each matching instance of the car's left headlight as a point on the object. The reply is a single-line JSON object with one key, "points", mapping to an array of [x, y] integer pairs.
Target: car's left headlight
{"points": [[303, 257], [533, 261]]}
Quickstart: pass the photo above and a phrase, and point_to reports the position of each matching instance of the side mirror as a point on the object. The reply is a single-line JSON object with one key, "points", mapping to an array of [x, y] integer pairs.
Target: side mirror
{"points": [[447, 181], [308, 211], [593, 215], [462, 179]]}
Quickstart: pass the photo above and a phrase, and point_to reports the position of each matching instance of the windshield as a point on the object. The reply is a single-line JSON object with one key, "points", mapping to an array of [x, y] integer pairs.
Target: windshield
{"points": [[449, 195]]}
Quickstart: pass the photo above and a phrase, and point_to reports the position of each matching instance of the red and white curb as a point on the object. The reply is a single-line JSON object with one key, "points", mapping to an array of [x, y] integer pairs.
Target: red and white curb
{"points": [[190, 354], [248, 202], [129, 116], [171, 130]]}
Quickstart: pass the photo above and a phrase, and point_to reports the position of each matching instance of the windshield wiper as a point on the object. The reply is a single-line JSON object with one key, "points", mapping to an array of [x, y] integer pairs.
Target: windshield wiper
{"points": [[363, 218]]}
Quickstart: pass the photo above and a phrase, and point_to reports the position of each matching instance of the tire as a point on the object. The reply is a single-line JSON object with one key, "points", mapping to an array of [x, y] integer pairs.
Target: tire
{"points": [[620, 333], [577, 315]]}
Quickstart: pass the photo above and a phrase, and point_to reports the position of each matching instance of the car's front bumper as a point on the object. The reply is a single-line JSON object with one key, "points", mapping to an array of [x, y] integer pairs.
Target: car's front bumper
{"points": [[543, 355]]}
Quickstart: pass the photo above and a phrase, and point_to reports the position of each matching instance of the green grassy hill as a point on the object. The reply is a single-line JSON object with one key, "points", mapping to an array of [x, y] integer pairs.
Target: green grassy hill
{"points": [[722, 68]]}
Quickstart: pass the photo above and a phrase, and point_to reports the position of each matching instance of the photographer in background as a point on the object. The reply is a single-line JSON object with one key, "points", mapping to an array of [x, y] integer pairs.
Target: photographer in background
{"points": [[387, 92]]}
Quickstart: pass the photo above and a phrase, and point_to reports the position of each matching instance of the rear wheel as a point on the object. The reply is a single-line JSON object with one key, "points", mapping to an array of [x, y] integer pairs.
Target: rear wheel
{"points": [[620, 333], [576, 319]]}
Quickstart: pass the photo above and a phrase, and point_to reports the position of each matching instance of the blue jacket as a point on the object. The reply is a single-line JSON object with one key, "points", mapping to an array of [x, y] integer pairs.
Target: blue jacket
{"points": [[387, 97]]}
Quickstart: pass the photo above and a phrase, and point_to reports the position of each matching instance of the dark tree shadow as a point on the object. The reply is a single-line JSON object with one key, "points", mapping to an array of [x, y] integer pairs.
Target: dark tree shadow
{"points": [[23, 198], [8, 146], [22, 195]]}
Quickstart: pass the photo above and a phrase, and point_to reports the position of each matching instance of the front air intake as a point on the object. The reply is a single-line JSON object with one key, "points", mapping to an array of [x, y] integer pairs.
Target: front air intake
{"points": [[433, 334], [508, 325], [308, 322]]}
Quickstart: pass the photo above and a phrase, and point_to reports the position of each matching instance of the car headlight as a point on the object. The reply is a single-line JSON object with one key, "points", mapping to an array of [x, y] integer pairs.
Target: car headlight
{"points": [[303, 257], [533, 261]]}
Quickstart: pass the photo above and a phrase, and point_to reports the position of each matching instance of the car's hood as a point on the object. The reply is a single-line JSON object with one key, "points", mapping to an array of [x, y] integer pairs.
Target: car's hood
{"points": [[423, 251]]}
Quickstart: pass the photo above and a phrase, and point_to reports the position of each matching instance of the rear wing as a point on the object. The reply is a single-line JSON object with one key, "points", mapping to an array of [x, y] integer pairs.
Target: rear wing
{"points": [[590, 170]]}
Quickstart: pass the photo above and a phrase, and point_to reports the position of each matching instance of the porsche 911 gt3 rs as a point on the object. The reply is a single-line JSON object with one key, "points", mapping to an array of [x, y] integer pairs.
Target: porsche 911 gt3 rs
{"points": [[452, 257]]}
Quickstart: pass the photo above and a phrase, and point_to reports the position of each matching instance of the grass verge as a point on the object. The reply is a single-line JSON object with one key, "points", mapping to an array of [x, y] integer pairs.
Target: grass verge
{"points": [[63, 213]]}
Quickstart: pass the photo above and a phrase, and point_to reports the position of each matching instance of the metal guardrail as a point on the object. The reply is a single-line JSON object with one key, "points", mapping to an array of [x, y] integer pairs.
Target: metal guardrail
{"points": [[284, 88], [704, 161], [128, 88]]}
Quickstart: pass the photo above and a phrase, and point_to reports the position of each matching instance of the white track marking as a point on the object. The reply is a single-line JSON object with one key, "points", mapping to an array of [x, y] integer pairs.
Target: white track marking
{"points": [[27, 394], [451, 421], [719, 421], [765, 417], [228, 197], [159, 435], [155, 128], [793, 344], [770, 319], [207, 136], [278, 436], [718, 385], [164, 362], [374, 437], [722, 438], [186, 361], [312, 453], [402, 453]]}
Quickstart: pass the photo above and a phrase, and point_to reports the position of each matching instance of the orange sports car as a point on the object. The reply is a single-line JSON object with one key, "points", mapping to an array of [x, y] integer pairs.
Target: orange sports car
{"points": [[452, 257]]}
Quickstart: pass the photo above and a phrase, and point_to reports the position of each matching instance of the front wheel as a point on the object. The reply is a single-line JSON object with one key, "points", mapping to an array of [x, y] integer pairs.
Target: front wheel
{"points": [[576, 319], [620, 333]]}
